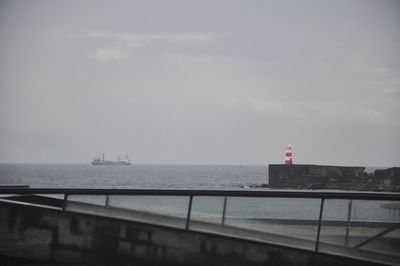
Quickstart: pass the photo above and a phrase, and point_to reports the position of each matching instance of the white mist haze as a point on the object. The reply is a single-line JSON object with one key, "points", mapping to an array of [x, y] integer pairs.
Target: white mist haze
{"points": [[200, 82]]}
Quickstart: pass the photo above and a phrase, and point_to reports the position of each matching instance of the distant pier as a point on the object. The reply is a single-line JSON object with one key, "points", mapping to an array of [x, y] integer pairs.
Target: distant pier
{"points": [[310, 176]]}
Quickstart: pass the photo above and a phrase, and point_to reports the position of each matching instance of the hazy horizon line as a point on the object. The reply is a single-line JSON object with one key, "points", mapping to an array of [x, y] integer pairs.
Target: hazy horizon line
{"points": [[191, 164]]}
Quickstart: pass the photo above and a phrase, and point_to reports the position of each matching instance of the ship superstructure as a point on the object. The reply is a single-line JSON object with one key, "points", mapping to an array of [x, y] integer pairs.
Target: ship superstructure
{"points": [[102, 161]]}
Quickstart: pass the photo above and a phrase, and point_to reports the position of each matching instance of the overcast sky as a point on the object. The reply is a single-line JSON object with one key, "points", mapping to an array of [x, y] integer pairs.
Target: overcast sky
{"points": [[200, 82]]}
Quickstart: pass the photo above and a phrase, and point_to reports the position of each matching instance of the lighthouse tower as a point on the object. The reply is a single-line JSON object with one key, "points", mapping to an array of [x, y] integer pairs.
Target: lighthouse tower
{"points": [[288, 155]]}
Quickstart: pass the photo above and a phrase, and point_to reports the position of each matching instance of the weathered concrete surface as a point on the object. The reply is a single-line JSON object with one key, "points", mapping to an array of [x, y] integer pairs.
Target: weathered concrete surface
{"points": [[30, 234]]}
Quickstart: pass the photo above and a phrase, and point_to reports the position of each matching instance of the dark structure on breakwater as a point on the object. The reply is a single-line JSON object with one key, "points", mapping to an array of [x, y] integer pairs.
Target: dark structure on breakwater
{"points": [[388, 179], [309, 176]]}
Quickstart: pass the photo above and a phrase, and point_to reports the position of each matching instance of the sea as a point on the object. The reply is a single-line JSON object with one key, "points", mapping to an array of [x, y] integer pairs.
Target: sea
{"points": [[186, 177], [134, 177]]}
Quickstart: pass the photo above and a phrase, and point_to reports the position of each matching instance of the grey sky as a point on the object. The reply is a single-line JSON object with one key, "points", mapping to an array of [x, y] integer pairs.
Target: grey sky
{"points": [[200, 82]]}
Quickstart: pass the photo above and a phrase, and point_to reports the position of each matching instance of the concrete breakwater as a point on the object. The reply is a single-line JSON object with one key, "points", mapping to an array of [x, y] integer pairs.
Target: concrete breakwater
{"points": [[309, 176]]}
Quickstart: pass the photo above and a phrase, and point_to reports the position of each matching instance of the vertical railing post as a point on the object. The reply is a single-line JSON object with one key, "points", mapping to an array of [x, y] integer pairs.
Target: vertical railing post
{"points": [[349, 207], [321, 210], [107, 200], [65, 201], [224, 212], [189, 212]]}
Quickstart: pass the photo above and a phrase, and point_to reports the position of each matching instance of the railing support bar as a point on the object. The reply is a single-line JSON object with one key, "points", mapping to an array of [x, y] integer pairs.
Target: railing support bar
{"points": [[379, 235], [107, 200], [65, 201], [346, 240], [321, 210], [189, 212], [224, 211]]}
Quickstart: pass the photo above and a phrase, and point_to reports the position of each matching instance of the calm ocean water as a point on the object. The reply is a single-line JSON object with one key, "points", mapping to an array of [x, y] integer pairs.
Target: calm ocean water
{"points": [[135, 176], [184, 177]]}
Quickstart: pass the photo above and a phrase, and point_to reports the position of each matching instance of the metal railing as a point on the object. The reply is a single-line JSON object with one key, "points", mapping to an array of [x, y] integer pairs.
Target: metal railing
{"points": [[362, 225], [179, 192]]}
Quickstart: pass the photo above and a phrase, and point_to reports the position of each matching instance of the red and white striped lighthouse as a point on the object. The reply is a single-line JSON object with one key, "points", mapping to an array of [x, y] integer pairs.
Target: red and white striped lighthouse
{"points": [[288, 155]]}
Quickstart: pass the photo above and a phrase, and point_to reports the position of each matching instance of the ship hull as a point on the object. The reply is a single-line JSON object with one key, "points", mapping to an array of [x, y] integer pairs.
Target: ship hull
{"points": [[120, 163]]}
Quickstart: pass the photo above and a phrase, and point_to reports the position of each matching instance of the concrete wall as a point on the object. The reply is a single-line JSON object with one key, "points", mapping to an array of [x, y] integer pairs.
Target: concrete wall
{"points": [[313, 176], [58, 237]]}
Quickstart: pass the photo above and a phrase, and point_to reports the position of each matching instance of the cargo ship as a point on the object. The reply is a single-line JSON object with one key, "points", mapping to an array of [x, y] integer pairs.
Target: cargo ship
{"points": [[102, 161]]}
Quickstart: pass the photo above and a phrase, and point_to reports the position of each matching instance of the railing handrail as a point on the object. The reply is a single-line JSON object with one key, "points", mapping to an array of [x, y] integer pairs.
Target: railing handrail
{"points": [[362, 195]]}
